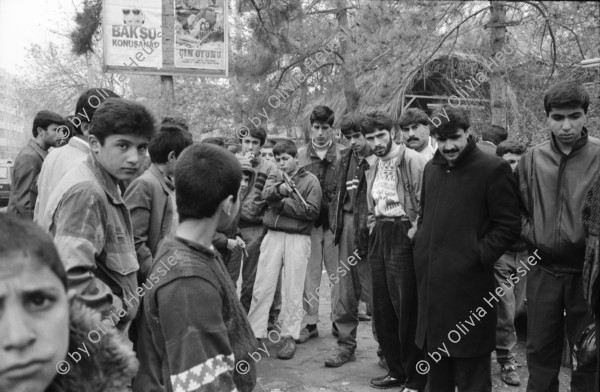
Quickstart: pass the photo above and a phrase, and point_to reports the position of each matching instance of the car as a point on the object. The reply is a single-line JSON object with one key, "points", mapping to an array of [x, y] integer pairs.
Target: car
{"points": [[5, 181]]}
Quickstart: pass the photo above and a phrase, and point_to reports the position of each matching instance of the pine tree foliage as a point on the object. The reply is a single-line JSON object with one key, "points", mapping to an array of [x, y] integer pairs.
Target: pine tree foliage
{"points": [[88, 22]]}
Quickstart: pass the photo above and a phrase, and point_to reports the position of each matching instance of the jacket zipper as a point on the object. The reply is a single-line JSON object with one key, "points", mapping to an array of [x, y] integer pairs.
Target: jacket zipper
{"points": [[561, 172]]}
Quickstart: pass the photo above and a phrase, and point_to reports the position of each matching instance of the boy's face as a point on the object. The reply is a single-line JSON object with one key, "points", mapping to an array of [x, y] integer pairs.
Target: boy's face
{"points": [[566, 124], [380, 141], [321, 133], [415, 136], [453, 145], [267, 153], [34, 320], [358, 143], [286, 162], [121, 155], [512, 159], [250, 144], [245, 183]]}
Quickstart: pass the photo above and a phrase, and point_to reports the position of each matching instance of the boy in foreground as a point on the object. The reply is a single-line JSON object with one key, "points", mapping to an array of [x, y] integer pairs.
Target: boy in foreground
{"points": [[293, 208], [194, 328], [88, 218]]}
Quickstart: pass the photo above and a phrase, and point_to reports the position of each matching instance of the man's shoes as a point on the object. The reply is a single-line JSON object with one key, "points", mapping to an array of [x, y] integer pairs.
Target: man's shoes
{"points": [[306, 334], [385, 382], [509, 375], [340, 356], [288, 349], [334, 330]]}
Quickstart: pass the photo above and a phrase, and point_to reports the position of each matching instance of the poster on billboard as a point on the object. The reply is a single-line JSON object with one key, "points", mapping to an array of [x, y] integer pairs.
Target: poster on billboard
{"points": [[133, 33], [200, 33]]}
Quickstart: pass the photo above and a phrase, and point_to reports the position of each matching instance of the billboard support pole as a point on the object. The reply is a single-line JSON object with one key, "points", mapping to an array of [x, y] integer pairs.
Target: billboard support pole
{"points": [[167, 94]]}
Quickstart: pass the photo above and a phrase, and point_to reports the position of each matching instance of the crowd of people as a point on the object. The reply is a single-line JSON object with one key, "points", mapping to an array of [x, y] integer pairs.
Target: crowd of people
{"points": [[122, 249]]}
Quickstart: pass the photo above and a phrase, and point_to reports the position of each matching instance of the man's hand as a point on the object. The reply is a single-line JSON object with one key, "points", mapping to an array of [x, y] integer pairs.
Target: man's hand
{"points": [[285, 189], [240, 242], [232, 245]]}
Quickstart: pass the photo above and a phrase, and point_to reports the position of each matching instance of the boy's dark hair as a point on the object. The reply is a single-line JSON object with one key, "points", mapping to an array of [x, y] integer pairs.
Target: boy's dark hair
{"points": [[376, 120], [169, 138], [413, 116], [118, 116], [510, 146], [269, 144], [258, 132], [217, 141], [566, 95], [451, 120], [43, 119], [176, 120], [322, 114], [285, 147], [494, 134], [24, 237], [204, 176], [89, 101], [351, 123], [72, 128]]}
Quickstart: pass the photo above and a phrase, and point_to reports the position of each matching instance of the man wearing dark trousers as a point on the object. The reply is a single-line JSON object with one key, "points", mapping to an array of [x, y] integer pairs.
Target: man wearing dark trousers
{"points": [[319, 157], [393, 192], [554, 178], [469, 218], [348, 219]]}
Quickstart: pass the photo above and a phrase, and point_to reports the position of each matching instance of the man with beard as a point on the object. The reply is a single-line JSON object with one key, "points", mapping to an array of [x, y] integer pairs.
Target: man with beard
{"points": [[415, 132], [469, 218], [348, 217], [393, 193]]}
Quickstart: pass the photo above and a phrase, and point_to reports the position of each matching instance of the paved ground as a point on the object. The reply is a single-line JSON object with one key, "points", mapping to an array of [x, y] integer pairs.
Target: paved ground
{"points": [[307, 372]]}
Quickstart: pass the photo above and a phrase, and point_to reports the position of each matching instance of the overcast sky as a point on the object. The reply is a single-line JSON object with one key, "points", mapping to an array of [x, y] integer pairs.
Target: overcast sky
{"points": [[23, 22]]}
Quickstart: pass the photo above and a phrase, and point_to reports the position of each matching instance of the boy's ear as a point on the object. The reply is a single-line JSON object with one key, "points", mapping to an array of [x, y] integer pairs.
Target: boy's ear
{"points": [[171, 157], [227, 205], [94, 143]]}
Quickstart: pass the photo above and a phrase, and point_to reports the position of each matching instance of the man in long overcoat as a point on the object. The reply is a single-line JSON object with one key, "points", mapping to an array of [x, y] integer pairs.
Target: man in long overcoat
{"points": [[469, 218]]}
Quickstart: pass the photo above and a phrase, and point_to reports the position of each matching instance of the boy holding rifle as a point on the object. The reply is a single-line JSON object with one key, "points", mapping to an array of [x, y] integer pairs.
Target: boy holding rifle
{"points": [[294, 198]]}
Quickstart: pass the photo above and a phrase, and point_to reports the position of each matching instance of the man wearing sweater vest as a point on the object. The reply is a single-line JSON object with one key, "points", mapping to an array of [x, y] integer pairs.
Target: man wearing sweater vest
{"points": [[187, 344]]}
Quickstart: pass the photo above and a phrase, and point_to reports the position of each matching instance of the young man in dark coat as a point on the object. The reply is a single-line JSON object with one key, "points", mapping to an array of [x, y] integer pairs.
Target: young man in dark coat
{"points": [[469, 218], [554, 178], [348, 219], [23, 193]]}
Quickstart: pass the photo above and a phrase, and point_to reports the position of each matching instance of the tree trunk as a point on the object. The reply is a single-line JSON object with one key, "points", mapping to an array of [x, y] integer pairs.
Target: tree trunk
{"points": [[498, 75], [350, 92]]}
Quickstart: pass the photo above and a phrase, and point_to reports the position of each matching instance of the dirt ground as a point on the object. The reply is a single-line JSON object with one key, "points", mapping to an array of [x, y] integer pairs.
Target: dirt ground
{"points": [[307, 372]]}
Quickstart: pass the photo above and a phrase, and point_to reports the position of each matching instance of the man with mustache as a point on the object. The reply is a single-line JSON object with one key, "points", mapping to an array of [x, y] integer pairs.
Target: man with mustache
{"points": [[554, 178], [469, 218], [415, 132], [393, 193]]}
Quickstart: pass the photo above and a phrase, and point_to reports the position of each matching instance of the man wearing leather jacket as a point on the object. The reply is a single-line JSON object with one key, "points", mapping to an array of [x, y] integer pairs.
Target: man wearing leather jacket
{"points": [[554, 178]]}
